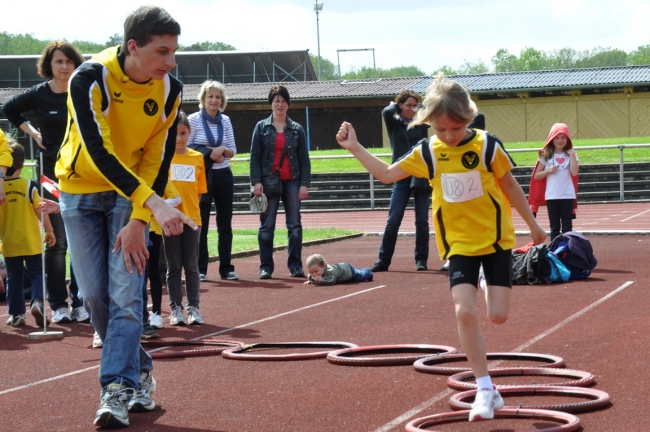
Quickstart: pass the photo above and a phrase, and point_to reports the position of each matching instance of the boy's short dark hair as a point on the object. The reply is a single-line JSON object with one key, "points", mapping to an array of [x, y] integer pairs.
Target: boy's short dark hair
{"points": [[44, 64], [18, 156], [148, 21], [279, 90]]}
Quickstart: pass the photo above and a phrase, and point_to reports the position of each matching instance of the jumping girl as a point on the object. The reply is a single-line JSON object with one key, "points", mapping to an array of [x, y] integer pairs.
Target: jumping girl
{"points": [[472, 192]]}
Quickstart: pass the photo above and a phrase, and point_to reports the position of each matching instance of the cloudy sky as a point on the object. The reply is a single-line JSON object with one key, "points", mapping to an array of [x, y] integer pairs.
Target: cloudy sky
{"points": [[427, 34]]}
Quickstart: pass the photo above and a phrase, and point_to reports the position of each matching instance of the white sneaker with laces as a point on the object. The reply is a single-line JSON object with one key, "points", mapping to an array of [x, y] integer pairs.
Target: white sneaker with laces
{"points": [[155, 320], [177, 318], [79, 315], [143, 398], [61, 316], [485, 402], [194, 316], [113, 408], [97, 341]]}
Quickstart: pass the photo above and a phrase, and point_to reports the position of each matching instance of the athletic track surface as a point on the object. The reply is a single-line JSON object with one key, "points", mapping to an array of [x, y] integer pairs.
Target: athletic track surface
{"points": [[597, 325]]}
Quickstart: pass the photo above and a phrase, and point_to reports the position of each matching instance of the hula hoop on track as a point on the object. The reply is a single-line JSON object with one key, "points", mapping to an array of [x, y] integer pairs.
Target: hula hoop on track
{"points": [[243, 352], [597, 398], [570, 422], [348, 357], [220, 346], [582, 378], [426, 365]]}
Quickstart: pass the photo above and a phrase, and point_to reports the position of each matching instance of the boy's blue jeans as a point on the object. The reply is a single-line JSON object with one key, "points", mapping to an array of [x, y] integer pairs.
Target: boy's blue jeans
{"points": [[112, 296], [15, 275], [361, 274]]}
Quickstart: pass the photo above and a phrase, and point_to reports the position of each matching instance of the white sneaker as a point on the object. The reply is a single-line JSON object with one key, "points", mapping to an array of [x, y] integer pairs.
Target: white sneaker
{"points": [[485, 402], [177, 318], [203, 277], [97, 341], [61, 316], [155, 320], [79, 315], [194, 316]]}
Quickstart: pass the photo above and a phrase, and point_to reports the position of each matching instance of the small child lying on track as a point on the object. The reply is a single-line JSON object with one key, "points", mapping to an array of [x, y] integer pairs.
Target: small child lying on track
{"points": [[321, 273]]}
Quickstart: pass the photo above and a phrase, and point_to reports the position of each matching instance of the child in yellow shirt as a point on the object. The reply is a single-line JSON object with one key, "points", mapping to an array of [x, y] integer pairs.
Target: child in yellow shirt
{"points": [[21, 240], [187, 173]]}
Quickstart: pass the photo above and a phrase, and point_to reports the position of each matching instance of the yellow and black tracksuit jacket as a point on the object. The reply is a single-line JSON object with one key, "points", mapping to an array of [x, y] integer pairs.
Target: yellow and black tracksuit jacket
{"points": [[121, 135]]}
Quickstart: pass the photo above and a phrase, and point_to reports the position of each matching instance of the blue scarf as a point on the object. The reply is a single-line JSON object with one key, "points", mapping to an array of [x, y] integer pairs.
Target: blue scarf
{"points": [[205, 118]]}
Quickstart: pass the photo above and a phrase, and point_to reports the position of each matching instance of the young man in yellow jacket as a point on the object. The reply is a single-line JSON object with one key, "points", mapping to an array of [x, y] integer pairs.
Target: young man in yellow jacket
{"points": [[112, 169]]}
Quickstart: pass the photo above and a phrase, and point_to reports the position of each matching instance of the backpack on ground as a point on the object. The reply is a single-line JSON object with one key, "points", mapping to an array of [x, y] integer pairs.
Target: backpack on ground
{"points": [[575, 252], [531, 267]]}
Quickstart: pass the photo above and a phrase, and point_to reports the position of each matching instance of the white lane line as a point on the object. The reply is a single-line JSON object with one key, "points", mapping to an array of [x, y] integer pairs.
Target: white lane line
{"points": [[22, 387], [411, 413], [633, 216], [292, 312]]}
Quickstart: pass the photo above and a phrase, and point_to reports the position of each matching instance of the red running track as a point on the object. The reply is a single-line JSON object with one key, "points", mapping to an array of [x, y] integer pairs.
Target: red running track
{"points": [[597, 325], [590, 218]]}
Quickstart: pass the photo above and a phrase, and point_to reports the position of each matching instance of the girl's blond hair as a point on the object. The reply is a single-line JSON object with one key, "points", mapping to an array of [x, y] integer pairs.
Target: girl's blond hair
{"points": [[316, 259], [446, 97]]}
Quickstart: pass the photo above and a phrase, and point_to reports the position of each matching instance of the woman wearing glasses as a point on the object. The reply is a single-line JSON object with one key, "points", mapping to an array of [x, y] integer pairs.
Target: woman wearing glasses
{"points": [[397, 116]]}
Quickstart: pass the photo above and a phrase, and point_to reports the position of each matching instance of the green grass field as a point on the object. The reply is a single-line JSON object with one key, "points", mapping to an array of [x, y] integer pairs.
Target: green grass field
{"points": [[590, 156], [522, 159]]}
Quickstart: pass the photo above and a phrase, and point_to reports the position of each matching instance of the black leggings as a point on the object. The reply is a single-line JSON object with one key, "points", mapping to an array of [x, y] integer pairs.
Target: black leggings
{"points": [[497, 268], [560, 216]]}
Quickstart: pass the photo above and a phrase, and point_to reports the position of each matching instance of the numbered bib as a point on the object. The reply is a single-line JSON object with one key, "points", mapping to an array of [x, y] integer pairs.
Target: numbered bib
{"points": [[461, 187], [184, 173]]}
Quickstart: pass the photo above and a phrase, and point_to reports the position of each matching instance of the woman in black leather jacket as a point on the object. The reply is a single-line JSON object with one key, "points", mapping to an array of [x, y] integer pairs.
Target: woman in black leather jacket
{"points": [[272, 137]]}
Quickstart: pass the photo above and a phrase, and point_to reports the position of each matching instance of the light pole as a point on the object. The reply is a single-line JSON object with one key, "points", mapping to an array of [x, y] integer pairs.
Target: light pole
{"points": [[318, 6]]}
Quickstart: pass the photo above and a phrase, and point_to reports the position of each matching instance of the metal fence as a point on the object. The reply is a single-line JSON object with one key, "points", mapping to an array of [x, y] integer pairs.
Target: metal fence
{"points": [[620, 147]]}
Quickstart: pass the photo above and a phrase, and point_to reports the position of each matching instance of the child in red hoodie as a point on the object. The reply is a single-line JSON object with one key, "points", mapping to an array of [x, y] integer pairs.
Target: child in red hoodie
{"points": [[555, 176]]}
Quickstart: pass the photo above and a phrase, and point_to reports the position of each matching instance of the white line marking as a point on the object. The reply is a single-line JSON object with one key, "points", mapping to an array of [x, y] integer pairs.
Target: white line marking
{"points": [[201, 337], [22, 387], [411, 413], [291, 312], [633, 216]]}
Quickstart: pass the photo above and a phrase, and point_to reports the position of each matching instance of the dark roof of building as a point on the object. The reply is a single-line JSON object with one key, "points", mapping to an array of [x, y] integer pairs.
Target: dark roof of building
{"points": [[192, 67], [566, 79], [612, 77]]}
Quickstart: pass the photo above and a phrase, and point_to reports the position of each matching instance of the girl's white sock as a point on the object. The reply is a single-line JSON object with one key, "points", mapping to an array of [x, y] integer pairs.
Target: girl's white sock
{"points": [[484, 382]]}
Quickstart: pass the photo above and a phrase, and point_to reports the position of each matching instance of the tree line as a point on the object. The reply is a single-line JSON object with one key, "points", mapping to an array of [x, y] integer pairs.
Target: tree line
{"points": [[529, 59], [27, 44]]}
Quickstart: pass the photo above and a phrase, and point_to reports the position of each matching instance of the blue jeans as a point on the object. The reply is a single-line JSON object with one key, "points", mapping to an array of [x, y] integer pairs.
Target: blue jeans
{"points": [[398, 200], [361, 275], [15, 275], [294, 227], [111, 295]]}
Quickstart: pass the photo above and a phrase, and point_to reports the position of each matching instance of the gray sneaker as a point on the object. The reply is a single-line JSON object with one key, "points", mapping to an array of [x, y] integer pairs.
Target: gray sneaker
{"points": [[113, 408], [143, 401], [194, 315], [79, 315], [16, 320], [176, 317], [38, 311]]}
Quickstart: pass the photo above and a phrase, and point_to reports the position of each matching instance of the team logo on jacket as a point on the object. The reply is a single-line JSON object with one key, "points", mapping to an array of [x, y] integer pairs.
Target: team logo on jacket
{"points": [[150, 107], [470, 160]]}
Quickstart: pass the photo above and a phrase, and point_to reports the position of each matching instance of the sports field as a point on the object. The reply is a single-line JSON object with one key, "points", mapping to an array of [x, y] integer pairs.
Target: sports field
{"points": [[598, 325]]}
